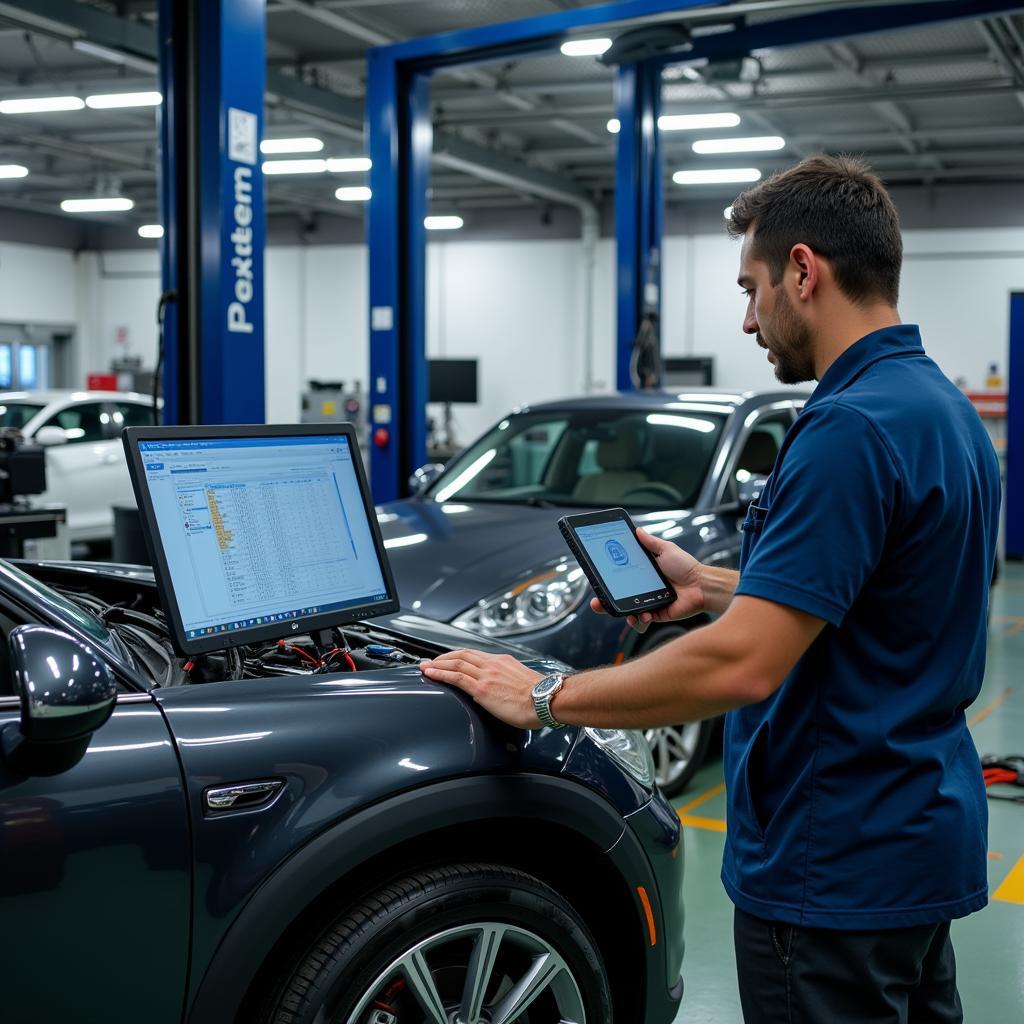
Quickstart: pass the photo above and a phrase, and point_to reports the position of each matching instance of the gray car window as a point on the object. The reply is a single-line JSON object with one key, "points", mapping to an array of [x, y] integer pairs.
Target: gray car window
{"points": [[640, 458], [81, 423]]}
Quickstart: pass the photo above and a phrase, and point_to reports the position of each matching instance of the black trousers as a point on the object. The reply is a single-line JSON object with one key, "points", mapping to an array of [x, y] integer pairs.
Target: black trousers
{"points": [[794, 975]]}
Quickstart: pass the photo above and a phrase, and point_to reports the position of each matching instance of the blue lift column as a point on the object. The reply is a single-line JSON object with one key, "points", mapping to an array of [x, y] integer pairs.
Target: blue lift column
{"points": [[212, 73], [639, 207], [1015, 432], [400, 131]]}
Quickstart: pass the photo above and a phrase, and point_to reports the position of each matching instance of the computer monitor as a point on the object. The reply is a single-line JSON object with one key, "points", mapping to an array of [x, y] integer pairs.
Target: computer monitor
{"points": [[452, 380], [258, 532]]}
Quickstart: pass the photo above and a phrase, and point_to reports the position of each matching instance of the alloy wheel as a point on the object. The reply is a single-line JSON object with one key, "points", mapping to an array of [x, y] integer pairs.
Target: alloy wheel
{"points": [[673, 747], [480, 973]]}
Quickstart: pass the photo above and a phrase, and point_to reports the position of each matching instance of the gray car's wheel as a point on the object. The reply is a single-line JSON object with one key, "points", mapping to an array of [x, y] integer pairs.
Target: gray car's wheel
{"points": [[678, 750], [473, 943]]}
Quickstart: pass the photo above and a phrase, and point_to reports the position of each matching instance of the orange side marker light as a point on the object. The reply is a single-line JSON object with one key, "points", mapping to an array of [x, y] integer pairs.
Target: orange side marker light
{"points": [[642, 892]]}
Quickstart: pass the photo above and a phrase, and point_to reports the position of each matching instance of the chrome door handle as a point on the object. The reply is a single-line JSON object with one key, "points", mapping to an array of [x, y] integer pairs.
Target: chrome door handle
{"points": [[243, 796]]}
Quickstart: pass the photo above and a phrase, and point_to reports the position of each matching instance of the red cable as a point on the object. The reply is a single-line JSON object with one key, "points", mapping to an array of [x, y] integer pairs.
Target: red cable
{"points": [[351, 663], [300, 652]]}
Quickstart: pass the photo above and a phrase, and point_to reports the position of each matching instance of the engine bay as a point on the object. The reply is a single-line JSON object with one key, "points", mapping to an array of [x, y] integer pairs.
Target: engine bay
{"points": [[130, 609]]}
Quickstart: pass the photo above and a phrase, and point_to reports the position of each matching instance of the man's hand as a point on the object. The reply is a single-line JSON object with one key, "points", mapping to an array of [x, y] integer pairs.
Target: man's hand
{"points": [[682, 570], [497, 682]]}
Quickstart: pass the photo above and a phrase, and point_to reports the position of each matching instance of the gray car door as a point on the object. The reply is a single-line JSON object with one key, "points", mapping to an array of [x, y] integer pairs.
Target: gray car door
{"points": [[95, 877]]}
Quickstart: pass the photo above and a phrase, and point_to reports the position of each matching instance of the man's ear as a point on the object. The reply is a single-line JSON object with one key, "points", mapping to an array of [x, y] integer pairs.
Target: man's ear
{"points": [[805, 266]]}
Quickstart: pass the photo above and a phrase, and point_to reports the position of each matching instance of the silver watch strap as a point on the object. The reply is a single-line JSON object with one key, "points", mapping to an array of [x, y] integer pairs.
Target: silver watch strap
{"points": [[542, 705]]}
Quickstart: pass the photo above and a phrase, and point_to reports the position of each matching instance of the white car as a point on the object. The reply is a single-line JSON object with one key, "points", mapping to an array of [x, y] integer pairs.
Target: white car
{"points": [[85, 463]]}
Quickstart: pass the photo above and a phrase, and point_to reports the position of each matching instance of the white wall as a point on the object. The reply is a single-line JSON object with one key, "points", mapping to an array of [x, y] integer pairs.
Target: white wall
{"points": [[517, 306]]}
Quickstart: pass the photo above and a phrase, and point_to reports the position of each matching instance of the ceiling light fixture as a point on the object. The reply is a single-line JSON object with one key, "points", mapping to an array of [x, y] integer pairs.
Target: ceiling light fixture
{"points": [[585, 47], [344, 164], [313, 166], [690, 122], [301, 145], [13, 171], [104, 204], [725, 176], [758, 144], [613, 126], [40, 104], [727, 212], [151, 231], [445, 223], [353, 194], [116, 100]]}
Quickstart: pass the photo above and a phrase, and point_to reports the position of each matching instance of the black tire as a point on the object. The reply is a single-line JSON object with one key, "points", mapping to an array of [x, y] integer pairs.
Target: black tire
{"points": [[678, 750], [351, 963]]}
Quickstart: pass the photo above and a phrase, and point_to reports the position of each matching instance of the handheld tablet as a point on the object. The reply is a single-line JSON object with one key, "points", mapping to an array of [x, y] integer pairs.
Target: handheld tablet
{"points": [[624, 575]]}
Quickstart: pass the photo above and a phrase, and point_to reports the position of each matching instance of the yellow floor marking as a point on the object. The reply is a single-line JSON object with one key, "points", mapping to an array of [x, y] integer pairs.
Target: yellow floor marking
{"points": [[1015, 629], [712, 824], [997, 856], [986, 711], [1012, 888]]}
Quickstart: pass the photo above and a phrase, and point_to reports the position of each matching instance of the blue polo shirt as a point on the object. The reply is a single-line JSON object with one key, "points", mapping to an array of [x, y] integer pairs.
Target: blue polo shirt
{"points": [[855, 794]]}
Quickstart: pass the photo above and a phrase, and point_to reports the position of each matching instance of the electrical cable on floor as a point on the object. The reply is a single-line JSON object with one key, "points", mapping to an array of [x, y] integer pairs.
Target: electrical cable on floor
{"points": [[1004, 771]]}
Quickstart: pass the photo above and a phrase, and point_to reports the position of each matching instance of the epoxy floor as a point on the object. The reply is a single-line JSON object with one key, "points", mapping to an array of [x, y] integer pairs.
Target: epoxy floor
{"points": [[989, 945]]}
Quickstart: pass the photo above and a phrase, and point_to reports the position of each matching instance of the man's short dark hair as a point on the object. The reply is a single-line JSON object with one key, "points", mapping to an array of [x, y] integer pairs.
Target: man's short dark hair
{"points": [[839, 208]]}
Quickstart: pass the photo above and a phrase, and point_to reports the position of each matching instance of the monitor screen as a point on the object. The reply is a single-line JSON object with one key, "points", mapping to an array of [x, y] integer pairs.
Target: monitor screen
{"points": [[258, 534], [452, 380]]}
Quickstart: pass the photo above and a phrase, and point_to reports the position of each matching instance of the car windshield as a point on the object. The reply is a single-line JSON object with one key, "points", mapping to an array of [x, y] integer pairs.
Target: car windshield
{"points": [[17, 414], [655, 458], [57, 608]]}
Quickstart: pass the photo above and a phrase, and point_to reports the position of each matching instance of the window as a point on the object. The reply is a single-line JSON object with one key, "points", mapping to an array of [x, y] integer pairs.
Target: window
{"points": [[761, 447], [132, 414], [17, 414], [656, 459], [82, 423]]}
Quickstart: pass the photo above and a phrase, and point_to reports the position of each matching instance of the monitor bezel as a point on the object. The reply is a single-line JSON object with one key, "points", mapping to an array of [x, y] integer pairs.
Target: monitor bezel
{"points": [[132, 436]]}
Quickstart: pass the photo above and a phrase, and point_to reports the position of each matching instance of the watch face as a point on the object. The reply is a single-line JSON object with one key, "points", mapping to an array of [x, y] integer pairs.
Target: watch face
{"points": [[546, 685]]}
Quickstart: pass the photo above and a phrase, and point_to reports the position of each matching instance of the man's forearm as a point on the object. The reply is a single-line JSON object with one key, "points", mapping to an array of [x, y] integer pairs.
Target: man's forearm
{"points": [[702, 674], [719, 586]]}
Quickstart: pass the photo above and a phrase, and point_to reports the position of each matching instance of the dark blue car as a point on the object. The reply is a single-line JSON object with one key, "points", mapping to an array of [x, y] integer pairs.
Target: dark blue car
{"points": [[478, 546], [276, 836]]}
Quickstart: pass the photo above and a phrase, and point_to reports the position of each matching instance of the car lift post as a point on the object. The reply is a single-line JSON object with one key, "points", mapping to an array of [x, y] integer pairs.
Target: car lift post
{"points": [[212, 56], [396, 114], [639, 208]]}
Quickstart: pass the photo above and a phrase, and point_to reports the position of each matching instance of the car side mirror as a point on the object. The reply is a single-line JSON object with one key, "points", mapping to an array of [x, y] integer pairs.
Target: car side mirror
{"points": [[425, 476], [749, 490], [50, 437], [66, 694]]}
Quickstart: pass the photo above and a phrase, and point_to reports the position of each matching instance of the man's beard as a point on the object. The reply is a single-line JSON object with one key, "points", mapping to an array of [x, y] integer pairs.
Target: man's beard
{"points": [[791, 344]]}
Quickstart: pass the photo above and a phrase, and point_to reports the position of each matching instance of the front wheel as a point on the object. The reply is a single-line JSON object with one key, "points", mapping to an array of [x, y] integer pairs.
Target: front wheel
{"points": [[472, 943]]}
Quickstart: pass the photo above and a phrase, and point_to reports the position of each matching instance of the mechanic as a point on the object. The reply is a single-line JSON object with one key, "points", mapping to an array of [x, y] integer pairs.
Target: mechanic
{"points": [[847, 647]]}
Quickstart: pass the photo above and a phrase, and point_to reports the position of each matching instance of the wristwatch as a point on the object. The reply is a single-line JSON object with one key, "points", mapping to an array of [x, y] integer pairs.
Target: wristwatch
{"points": [[543, 691]]}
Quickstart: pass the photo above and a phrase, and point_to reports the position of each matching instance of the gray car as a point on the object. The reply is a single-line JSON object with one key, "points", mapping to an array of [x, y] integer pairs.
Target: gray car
{"points": [[478, 546]]}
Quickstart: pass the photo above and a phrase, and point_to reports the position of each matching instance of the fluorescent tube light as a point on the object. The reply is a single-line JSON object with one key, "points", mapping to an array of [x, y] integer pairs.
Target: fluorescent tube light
{"points": [[302, 145], [343, 164], [13, 171], [613, 126], [727, 212], [726, 176], [116, 100], [108, 204], [353, 194], [690, 122], [758, 144], [40, 104], [442, 223], [312, 166], [585, 47], [151, 231]]}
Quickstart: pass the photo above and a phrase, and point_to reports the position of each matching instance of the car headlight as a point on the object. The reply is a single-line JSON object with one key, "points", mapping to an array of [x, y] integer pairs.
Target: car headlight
{"points": [[629, 749], [540, 601]]}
